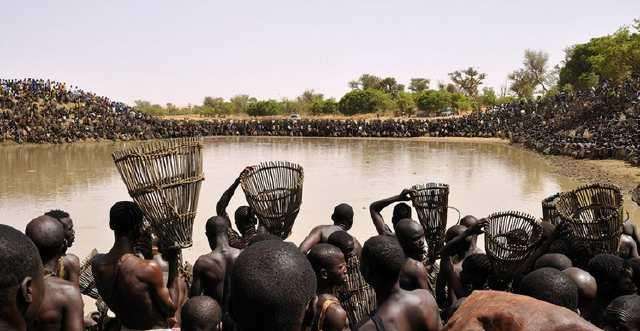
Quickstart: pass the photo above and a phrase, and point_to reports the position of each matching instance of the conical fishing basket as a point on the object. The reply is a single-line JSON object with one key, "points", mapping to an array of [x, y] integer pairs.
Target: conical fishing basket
{"points": [[356, 297], [510, 237], [594, 214], [164, 178], [549, 211], [431, 203], [274, 190], [87, 282]]}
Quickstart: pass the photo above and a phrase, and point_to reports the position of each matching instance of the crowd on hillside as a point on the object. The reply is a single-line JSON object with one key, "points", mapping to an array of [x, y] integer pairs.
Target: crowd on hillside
{"points": [[599, 123]]}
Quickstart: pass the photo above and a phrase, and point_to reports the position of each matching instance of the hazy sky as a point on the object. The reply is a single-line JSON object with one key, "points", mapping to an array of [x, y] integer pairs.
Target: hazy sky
{"points": [[181, 51]]}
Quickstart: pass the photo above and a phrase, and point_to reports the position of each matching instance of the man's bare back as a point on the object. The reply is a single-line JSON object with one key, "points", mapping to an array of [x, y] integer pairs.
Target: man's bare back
{"points": [[406, 311], [62, 307], [414, 276], [210, 271]]}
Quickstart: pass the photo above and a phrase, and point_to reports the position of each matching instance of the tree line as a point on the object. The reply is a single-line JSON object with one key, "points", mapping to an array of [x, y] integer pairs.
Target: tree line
{"points": [[612, 58]]}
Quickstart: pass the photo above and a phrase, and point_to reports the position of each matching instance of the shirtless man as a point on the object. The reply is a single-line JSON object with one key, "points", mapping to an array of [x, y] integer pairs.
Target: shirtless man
{"points": [[342, 221], [211, 270], [62, 307], [400, 211], [331, 271], [132, 287], [398, 309], [414, 274], [21, 280], [244, 217], [71, 263]]}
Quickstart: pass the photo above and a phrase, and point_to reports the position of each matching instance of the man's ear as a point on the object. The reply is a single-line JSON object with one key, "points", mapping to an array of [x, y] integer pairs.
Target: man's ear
{"points": [[323, 273], [26, 289]]}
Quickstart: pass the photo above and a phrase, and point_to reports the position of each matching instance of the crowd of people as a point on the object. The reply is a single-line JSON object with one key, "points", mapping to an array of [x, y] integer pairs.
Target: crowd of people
{"points": [[600, 123], [254, 280]]}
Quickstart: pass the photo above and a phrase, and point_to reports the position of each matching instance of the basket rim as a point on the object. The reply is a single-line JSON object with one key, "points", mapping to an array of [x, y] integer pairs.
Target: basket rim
{"points": [[563, 204], [155, 148], [490, 238]]}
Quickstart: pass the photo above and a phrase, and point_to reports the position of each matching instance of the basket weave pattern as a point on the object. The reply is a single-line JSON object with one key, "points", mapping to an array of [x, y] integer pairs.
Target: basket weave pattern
{"points": [[274, 191], [431, 203], [549, 211], [510, 237], [356, 296], [87, 282], [164, 178], [595, 216]]}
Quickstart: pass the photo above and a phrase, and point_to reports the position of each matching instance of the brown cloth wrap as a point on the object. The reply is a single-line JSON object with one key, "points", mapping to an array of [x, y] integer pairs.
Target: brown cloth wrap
{"points": [[502, 311]]}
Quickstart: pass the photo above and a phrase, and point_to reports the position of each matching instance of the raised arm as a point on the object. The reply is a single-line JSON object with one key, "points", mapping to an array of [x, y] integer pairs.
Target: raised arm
{"points": [[221, 206], [377, 207], [152, 275], [74, 310]]}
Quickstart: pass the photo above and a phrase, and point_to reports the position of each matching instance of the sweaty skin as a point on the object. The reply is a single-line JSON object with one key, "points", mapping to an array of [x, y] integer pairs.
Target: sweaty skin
{"points": [[72, 269], [414, 275], [62, 307], [407, 311], [627, 247], [211, 269], [320, 234], [335, 318]]}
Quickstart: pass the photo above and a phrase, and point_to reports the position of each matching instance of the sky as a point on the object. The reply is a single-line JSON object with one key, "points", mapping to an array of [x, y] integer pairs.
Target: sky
{"points": [[182, 51]]}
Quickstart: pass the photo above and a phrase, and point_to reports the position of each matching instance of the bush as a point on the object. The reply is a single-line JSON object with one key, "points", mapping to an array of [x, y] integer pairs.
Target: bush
{"points": [[265, 108], [364, 102]]}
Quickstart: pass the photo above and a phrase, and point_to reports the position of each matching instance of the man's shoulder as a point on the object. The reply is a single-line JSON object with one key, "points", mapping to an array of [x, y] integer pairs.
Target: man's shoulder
{"points": [[63, 287]]}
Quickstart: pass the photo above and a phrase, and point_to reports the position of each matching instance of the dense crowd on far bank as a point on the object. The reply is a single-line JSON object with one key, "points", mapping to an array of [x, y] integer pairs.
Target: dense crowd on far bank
{"points": [[600, 123]]}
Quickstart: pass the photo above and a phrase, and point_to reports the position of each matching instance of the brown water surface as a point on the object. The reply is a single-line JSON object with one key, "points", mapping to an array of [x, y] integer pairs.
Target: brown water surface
{"points": [[81, 178]]}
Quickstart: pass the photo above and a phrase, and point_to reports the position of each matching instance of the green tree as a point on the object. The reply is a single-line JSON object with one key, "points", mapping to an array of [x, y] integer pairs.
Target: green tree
{"points": [[405, 103], [264, 108], [418, 85], [324, 107], [522, 83], [390, 86], [433, 101], [468, 80], [364, 102], [365, 82], [488, 97], [239, 103], [534, 75]]}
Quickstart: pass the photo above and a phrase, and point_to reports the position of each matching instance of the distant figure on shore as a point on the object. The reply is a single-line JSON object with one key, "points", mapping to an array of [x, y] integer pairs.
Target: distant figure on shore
{"points": [[414, 274], [21, 280], [71, 262], [201, 313], [400, 211], [331, 272], [245, 219], [342, 221], [62, 307], [132, 287]]}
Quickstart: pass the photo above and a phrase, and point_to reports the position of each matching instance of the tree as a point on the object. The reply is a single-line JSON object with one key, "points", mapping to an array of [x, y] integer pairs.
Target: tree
{"points": [[534, 74], [364, 102], [239, 103], [324, 107], [433, 101], [264, 108], [468, 80], [307, 98], [365, 82], [216, 106], [522, 84], [390, 86], [488, 97], [418, 85], [405, 104]]}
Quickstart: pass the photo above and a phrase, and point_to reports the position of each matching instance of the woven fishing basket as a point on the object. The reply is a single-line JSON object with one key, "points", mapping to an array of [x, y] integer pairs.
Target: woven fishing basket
{"points": [[510, 237], [356, 296], [87, 282], [549, 211], [164, 178], [431, 203], [594, 214], [274, 190]]}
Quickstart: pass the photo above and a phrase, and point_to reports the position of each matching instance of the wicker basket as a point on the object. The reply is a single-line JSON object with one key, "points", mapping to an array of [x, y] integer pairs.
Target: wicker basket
{"points": [[595, 216], [431, 203], [549, 211], [356, 296], [164, 178], [274, 191], [510, 237], [87, 282]]}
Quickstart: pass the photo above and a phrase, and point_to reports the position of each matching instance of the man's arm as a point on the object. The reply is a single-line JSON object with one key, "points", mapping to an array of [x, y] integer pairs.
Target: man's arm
{"points": [[429, 312], [72, 269], [336, 319], [377, 207], [196, 283], [151, 274], [221, 206], [73, 319], [314, 238]]}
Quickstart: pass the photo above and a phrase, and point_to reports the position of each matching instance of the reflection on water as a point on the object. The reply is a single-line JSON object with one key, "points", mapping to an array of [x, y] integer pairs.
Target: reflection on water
{"points": [[483, 177]]}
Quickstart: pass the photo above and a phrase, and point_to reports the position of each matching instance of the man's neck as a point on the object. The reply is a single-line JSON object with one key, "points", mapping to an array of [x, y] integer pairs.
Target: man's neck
{"points": [[383, 293], [52, 263], [325, 288], [122, 245]]}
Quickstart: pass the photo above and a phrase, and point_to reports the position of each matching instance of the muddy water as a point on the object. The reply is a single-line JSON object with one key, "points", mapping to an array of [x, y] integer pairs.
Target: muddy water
{"points": [[483, 177]]}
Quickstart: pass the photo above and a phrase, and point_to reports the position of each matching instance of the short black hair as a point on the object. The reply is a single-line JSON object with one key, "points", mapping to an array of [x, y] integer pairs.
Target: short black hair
{"points": [[400, 211], [57, 214], [468, 220], [47, 233], [19, 259], [200, 313], [635, 266], [320, 254], [553, 260], [550, 285], [272, 283], [245, 219], [263, 237], [382, 259], [216, 224], [623, 310], [610, 272], [343, 214], [342, 240], [125, 216]]}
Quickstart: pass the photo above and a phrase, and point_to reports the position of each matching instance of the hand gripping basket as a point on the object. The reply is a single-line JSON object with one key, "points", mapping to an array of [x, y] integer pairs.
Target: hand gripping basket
{"points": [[510, 237], [431, 203], [549, 211], [164, 178], [274, 190], [87, 282], [594, 214]]}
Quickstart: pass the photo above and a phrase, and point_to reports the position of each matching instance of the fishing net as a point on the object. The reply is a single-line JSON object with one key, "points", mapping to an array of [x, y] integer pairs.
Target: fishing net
{"points": [[510, 237], [164, 178], [87, 282], [549, 211], [356, 297], [431, 203], [594, 214], [274, 191]]}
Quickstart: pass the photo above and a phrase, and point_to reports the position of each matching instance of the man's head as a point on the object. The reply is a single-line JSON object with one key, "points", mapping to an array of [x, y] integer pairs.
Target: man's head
{"points": [[553, 260], [246, 220], [272, 284], [635, 267], [411, 237], [382, 260], [329, 264], [343, 241], [400, 211], [47, 233], [125, 219], [201, 313], [468, 221], [21, 274], [343, 216], [587, 286], [623, 313], [550, 285], [263, 237], [476, 269], [614, 276], [455, 231], [216, 228], [67, 222]]}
